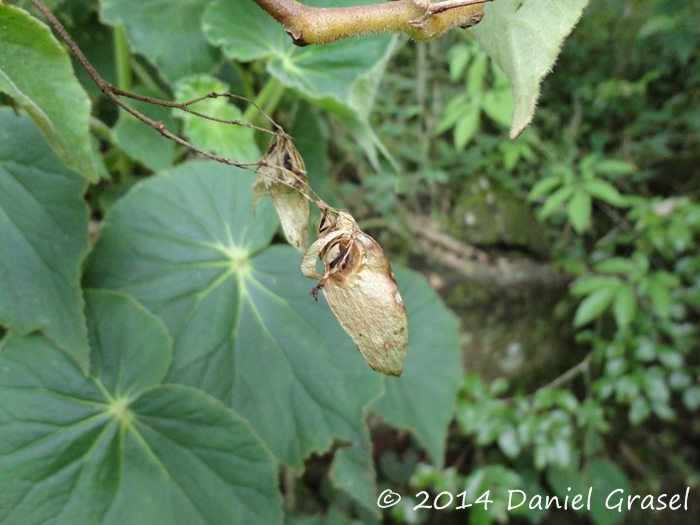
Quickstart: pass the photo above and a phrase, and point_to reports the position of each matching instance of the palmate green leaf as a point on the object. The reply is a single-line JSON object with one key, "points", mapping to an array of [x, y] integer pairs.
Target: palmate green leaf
{"points": [[524, 39], [36, 72], [118, 446], [423, 399], [43, 238], [186, 245], [342, 77], [229, 140], [167, 32]]}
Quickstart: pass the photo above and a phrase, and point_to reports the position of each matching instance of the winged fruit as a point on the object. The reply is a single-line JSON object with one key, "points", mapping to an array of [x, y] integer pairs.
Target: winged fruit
{"points": [[282, 176], [360, 288]]}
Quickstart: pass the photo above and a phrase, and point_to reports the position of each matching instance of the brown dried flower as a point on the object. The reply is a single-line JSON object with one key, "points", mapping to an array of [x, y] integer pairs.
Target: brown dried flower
{"points": [[360, 288]]}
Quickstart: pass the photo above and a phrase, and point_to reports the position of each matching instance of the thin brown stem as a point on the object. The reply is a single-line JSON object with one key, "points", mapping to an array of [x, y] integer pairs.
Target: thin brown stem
{"points": [[185, 106], [264, 164], [582, 368], [113, 93]]}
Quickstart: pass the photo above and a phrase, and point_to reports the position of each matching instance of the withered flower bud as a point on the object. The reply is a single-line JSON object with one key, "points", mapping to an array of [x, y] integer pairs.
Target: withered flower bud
{"points": [[361, 290], [282, 176]]}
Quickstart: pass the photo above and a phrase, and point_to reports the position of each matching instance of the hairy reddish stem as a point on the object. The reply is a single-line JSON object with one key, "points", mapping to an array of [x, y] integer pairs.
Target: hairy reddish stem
{"points": [[419, 19]]}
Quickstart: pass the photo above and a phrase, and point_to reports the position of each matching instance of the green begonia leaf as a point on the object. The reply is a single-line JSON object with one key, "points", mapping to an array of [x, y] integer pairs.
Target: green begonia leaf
{"points": [[167, 32], [423, 399], [186, 245], [353, 471], [43, 238], [118, 446], [229, 140], [36, 72], [524, 39], [342, 77]]}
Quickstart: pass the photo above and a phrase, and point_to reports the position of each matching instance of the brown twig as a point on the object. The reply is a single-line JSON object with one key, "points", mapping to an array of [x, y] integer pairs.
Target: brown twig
{"points": [[113, 93], [581, 368]]}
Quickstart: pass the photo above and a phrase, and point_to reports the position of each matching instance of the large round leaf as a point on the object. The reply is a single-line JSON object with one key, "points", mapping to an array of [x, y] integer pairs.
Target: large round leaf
{"points": [[118, 446], [36, 72], [43, 238], [187, 246]]}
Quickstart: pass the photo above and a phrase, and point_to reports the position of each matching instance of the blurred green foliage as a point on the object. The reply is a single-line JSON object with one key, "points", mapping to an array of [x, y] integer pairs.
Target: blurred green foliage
{"points": [[611, 162]]}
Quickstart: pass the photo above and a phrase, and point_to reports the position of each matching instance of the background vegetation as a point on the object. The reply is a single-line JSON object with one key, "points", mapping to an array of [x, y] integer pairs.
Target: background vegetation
{"points": [[203, 385]]}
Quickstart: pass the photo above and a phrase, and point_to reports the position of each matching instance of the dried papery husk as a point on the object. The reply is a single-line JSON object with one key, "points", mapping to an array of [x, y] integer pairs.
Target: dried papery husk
{"points": [[361, 290], [282, 176]]}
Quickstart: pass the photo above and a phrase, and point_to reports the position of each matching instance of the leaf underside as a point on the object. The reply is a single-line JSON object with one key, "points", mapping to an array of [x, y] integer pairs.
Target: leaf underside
{"points": [[119, 446], [524, 39]]}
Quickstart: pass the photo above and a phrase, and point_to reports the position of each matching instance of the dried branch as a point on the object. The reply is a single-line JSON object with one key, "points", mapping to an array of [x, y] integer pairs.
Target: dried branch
{"points": [[419, 19], [474, 263], [113, 93], [581, 368]]}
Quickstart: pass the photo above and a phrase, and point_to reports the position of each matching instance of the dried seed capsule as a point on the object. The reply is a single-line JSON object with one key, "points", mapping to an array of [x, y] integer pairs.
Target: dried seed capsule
{"points": [[282, 176], [361, 290]]}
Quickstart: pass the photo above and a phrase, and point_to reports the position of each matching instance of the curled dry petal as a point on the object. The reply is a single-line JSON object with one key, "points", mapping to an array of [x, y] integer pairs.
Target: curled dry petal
{"points": [[282, 176], [361, 290]]}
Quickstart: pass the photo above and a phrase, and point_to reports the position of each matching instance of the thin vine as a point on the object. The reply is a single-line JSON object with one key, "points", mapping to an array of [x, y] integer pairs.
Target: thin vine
{"points": [[113, 93]]}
